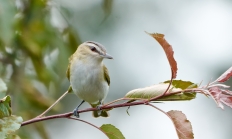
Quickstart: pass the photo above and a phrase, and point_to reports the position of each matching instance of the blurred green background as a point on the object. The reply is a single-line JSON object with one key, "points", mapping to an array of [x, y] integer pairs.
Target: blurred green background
{"points": [[38, 36]]}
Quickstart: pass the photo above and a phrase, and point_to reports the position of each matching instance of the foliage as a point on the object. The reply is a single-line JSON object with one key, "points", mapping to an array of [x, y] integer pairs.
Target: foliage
{"points": [[30, 48], [159, 89], [182, 125], [34, 50], [9, 123], [112, 132]]}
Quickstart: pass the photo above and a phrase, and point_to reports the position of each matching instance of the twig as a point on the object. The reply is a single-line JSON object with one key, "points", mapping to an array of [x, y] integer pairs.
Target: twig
{"points": [[112, 102], [38, 119], [89, 124], [165, 114], [53, 104]]}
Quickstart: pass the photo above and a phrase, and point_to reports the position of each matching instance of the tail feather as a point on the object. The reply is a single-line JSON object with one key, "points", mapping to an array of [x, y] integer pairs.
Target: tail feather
{"points": [[101, 113]]}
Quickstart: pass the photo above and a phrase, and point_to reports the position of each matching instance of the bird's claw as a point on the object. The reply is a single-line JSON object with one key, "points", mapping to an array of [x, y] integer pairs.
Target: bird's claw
{"points": [[76, 113], [99, 110]]}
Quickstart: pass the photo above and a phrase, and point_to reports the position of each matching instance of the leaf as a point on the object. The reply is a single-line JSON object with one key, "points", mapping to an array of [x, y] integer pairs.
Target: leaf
{"points": [[151, 91], [225, 76], [226, 99], [9, 125], [168, 51], [182, 84], [3, 89], [182, 125], [112, 132], [159, 89], [5, 107], [221, 96], [107, 7], [178, 97]]}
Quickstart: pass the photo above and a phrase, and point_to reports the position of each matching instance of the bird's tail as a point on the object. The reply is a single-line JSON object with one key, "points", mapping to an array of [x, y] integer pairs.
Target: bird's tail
{"points": [[102, 113]]}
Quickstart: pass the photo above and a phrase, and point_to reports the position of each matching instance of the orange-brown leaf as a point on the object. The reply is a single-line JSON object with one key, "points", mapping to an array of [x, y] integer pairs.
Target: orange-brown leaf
{"points": [[168, 51], [182, 125]]}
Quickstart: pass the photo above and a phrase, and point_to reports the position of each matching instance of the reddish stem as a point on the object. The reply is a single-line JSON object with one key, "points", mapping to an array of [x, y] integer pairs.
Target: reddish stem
{"points": [[67, 115]]}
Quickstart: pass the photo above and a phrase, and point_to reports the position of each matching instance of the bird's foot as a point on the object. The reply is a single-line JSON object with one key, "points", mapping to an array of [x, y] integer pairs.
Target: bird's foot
{"points": [[99, 110], [76, 113]]}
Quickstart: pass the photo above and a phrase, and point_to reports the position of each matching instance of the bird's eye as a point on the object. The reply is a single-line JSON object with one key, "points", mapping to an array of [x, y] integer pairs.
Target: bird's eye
{"points": [[93, 49]]}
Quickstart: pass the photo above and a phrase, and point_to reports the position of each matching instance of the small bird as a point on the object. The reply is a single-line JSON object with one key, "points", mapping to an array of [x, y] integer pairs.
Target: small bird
{"points": [[88, 76]]}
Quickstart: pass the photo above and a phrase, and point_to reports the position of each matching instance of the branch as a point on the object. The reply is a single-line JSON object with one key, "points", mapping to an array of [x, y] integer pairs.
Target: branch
{"points": [[67, 115], [88, 124], [104, 107]]}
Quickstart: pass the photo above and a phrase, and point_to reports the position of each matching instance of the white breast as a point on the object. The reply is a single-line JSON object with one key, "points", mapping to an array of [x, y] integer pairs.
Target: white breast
{"points": [[87, 81]]}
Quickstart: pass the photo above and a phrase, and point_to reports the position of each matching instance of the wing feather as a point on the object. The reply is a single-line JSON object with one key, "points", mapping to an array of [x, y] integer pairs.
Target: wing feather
{"points": [[68, 69], [106, 75]]}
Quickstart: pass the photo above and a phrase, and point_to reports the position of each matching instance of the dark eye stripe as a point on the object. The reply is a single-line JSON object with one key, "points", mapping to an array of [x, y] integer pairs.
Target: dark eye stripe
{"points": [[99, 46]]}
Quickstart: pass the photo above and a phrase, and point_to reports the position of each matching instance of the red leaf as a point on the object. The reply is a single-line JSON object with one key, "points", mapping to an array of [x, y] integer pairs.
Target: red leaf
{"points": [[225, 76], [227, 100], [182, 125], [168, 51], [228, 92], [221, 96], [216, 92]]}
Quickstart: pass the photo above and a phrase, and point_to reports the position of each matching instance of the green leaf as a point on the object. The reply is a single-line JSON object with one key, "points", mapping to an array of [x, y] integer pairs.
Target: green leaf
{"points": [[5, 107], [182, 84], [178, 97], [182, 125], [3, 89], [159, 89], [9, 125], [112, 132]]}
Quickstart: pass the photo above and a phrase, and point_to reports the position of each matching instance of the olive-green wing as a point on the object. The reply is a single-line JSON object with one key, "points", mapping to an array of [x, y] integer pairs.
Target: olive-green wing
{"points": [[68, 70], [106, 75]]}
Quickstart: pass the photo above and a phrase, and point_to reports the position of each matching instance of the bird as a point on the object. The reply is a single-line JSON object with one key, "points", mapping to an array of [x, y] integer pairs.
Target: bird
{"points": [[89, 78]]}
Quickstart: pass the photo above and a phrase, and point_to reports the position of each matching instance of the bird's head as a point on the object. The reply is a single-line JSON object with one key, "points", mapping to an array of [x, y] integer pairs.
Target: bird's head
{"points": [[92, 50]]}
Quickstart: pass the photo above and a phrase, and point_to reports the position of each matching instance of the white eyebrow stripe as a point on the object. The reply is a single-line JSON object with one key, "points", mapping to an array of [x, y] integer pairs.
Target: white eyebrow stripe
{"points": [[100, 48], [91, 44]]}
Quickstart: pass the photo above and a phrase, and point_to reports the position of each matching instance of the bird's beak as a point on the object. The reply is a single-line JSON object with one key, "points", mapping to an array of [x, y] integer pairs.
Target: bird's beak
{"points": [[107, 56]]}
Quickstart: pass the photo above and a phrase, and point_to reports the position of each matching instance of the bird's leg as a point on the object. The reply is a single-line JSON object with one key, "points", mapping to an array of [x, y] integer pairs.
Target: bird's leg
{"points": [[75, 111]]}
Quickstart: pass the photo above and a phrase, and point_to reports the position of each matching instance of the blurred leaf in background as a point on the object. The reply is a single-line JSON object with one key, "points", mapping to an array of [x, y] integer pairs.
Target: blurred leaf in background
{"points": [[35, 43]]}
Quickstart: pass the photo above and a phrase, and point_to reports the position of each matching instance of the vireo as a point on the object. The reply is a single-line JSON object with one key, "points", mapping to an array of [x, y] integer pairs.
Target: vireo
{"points": [[88, 76]]}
